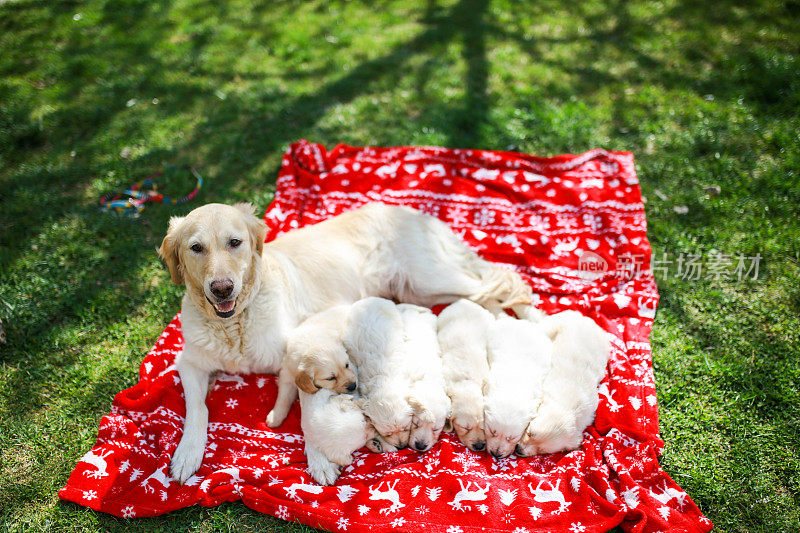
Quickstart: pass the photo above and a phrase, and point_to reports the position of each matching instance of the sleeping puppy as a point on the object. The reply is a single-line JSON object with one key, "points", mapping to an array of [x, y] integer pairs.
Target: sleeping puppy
{"points": [[519, 357], [315, 359], [463, 327], [423, 364], [374, 338], [243, 297], [569, 394], [334, 427]]}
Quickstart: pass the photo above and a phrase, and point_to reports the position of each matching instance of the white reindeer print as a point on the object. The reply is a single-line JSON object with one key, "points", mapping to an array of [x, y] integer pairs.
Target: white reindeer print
{"points": [[232, 378], [477, 495], [160, 476], [291, 490], [389, 494], [604, 391], [542, 495], [667, 494], [98, 461]]}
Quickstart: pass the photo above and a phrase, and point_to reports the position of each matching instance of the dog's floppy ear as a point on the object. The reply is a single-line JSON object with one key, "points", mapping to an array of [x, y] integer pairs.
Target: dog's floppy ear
{"points": [[420, 411], [256, 226], [169, 250], [305, 382]]}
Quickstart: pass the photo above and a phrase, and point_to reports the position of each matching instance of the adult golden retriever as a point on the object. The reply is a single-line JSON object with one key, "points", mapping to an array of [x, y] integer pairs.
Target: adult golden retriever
{"points": [[244, 297]]}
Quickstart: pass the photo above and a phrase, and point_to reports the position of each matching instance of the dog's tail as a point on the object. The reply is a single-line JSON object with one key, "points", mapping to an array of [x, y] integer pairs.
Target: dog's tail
{"points": [[502, 288]]}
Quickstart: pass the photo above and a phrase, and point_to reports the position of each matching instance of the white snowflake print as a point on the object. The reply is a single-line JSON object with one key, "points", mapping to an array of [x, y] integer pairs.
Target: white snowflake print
{"points": [[594, 221], [343, 523], [260, 382], [283, 512], [135, 474], [520, 530], [128, 512], [539, 224], [535, 512], [454, 529], [566, 222], [484, 217], [430, 209], [363, 509], [483, 508], [415, 491], [577, 527], [123, 466], [398, 522], [512, 219], [458, 216], [231, 403], [89, 494], [422, 510], [257, 473], [504, 464]]}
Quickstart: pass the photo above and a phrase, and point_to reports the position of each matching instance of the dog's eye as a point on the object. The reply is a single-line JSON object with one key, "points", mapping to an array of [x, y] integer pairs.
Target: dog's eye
{"points": [[347, 365], [234, 243], [197, 248], [377, 444], [330, 378]]}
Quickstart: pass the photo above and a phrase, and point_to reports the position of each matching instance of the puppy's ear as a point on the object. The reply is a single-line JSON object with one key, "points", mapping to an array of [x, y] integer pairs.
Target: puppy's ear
{"points": [[305, 382], [448, 426], [169, 250], [255, 225], [420, 411]]}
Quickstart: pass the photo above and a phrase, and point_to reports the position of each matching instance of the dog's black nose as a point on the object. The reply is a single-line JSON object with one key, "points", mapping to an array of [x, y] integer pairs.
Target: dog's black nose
{"points": [[496, 454], [222, 288], [420, 446], [351, 387], [518, 450], [478, 446]]}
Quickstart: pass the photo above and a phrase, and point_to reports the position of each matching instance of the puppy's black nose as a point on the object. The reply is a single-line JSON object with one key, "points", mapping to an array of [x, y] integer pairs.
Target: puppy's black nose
{"points": [[420, 446], [518, 451], [351, 387], [222, 288], [478, 446], [496, 454]]}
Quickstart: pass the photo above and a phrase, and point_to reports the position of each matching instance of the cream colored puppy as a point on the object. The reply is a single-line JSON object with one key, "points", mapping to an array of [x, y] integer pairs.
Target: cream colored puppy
{"points": [[374, 339], [569, 394], [423, 365], [334, 427], [463, 328], [519, 357], [315, 359], [243, 298]]}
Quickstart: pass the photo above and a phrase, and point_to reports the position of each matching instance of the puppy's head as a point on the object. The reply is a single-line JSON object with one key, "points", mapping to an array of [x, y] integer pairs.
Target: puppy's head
{"points": [[552, 430], [505, 419], [327, 369], [391, 417], [215, 250], [466, 417], [375, 442], [427, 422]]}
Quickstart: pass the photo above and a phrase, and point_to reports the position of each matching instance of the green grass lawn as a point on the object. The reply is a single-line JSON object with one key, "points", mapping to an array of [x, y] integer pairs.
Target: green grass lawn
{"points": [[96, 95]]}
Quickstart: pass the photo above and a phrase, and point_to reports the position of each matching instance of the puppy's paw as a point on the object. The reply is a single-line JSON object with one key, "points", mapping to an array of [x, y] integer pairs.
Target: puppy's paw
{"points": [[187, 458], [323, 471], [275, 418]]}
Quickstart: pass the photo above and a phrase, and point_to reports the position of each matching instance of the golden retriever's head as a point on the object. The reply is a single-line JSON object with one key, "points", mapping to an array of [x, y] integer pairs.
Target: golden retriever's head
{"points": [[215, 250], [330, 370]]}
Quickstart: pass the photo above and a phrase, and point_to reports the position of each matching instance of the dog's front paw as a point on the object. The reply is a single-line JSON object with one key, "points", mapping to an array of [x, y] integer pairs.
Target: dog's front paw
{"points": [[323, 471], [275, 419], [187, 458]]}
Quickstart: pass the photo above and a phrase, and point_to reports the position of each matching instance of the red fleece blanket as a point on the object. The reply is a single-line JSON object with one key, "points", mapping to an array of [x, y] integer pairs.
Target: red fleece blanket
{"points": [[572, 226]]}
